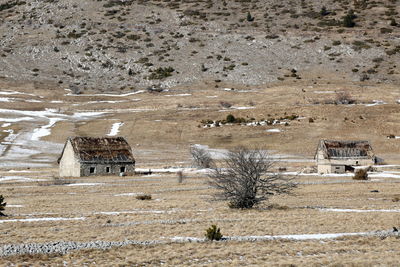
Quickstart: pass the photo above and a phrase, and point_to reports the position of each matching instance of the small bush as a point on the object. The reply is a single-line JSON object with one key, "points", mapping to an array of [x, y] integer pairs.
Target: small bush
{"points": [[161, 73], [213, 233], [361, 174], [249, 17], [348, 20], [143, 197], [2, 205], [230, 118], [201, 157]]}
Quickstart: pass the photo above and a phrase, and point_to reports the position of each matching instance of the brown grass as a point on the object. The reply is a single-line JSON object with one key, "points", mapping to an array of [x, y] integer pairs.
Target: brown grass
{"points": [[161, 136]]}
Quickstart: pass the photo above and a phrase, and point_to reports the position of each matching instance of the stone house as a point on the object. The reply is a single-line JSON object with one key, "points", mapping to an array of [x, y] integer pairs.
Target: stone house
{"points": [[86, 156], [341, 156]]}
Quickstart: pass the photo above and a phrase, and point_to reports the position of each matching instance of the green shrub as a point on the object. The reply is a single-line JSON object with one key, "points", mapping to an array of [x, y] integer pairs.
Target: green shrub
{"points": [[2, 205], [348, 20], [230, 118], [143, 197], [213, 233], [249, 17], [161, 73], [323, 11], [360, 174]]}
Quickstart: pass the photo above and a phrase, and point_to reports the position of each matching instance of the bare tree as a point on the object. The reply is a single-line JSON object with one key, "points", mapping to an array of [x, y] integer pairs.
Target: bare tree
{"points": [[201, 157], [245, 179]]}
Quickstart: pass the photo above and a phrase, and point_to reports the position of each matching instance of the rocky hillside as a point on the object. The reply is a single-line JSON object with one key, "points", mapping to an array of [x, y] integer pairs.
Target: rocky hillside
{"points": [[113, 45]]}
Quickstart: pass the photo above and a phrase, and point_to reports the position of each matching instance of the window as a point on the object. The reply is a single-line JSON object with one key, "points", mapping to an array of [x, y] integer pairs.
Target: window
{"points": [[337, 168], [92, 169], [356, 162], [122, 169], [108, 169]]}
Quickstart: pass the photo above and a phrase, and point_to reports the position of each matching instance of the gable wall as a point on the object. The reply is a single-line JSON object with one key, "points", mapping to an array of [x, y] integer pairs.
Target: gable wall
{"points": [[69, 164]]}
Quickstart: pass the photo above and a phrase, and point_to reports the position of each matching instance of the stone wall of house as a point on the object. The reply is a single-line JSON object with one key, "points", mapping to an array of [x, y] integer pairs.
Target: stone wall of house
{"points": [[106, 169]]}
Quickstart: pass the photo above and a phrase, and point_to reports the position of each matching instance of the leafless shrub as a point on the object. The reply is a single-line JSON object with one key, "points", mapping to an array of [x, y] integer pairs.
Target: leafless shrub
{"points": [[225, 104], [143, 197], [201, 157], [244, 181], [344, 98]]}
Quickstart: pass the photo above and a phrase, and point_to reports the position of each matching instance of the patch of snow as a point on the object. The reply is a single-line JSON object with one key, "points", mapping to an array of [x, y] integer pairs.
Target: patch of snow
{"points": [[115, 128], [111, 95], [357, 210], [7, 99], [15, 93], [180, 95], [105, 101], [211, 96], [43, 219], [44, 130], [242, 108], [385, 166], [383, 175], [376, 103], [7, 124], [10, 120], [14, 206], [324, 92], [57, 101], [85, 184], [128, 194], [137, 212], [18, 179], [295, 237], [273, 131]]}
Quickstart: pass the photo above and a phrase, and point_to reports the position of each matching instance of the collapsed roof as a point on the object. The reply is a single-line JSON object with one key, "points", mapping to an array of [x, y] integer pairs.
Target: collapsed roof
{"points": [[346, 149], [101, 150]]}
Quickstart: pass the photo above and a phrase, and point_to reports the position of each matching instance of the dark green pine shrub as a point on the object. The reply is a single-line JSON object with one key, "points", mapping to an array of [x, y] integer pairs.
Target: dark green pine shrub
{"points": [[249, 17], [230, 118], [213, 233], [348, 20]]}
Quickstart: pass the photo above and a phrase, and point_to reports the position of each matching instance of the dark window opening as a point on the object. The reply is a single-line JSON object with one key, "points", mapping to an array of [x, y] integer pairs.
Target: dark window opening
{"points": [[108, 169], [337, 168], [357, 162], [122, 169], [92, 169]]}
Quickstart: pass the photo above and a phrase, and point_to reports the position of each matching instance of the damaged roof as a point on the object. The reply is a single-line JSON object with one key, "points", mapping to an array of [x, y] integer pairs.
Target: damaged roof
{"points": [[101, 149], [346, 149]]}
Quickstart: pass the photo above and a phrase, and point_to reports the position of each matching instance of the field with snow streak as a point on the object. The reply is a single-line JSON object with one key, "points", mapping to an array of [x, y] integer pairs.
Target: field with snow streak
{"points": [[80, 216], [330, 219]]}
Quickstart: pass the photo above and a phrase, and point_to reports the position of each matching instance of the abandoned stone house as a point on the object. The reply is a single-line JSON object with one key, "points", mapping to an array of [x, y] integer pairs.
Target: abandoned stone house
{"points": [[341, 156], [86, 156]]}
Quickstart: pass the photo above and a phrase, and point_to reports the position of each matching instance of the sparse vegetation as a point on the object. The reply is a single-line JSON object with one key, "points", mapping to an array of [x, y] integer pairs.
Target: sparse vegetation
{"points": [[161, 73], [360, 174], [244, 182], [348, 20], [2, 205], [143, 197], [201, 157], [213, 233]]}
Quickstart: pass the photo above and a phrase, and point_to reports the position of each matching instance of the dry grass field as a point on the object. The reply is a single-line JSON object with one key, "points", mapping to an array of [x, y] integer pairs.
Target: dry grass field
{"points": [[160, 128]]}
